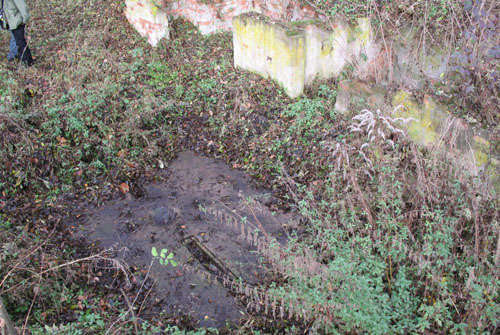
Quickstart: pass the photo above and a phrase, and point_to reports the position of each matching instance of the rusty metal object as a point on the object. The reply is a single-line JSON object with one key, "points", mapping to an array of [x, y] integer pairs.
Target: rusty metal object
{"points": [[208, 257]]}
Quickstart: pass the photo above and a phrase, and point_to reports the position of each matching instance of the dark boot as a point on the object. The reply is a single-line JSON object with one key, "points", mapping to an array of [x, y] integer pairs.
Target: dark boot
{"points": [[24, 52]]}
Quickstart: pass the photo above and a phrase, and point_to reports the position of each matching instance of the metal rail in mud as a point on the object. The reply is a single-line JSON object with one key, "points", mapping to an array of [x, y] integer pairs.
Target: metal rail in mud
{"points": [[206, 257]]}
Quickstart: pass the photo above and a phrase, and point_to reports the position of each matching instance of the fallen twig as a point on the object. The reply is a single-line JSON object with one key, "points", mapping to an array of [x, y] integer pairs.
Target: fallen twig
{"points": [[133, 303], [131, 311], [98, 256]]}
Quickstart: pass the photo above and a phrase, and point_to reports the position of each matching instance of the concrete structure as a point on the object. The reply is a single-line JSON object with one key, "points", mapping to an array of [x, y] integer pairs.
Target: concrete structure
{"points": [[297, 54], [270, 50], [433, 127], [216, 15], [327, 50]]}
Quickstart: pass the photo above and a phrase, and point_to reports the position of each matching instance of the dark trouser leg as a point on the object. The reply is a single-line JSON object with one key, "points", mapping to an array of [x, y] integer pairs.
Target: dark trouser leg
{"points": [[12, 48], [23, 50]]}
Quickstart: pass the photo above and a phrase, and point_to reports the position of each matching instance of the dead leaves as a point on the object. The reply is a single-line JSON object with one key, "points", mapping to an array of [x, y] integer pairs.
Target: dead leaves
{"points": [[124, 188], [122, 153]]}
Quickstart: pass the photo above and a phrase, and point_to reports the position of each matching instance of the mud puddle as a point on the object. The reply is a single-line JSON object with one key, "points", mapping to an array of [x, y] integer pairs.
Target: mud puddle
{"points": [[173, 216]]}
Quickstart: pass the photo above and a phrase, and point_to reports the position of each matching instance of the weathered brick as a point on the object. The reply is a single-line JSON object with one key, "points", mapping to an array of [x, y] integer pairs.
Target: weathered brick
{"points": [[209, 16], [149, 20]]}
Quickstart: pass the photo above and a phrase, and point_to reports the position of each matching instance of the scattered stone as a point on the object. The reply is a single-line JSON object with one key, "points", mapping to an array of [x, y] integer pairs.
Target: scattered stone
{"points": [[163, 216]]}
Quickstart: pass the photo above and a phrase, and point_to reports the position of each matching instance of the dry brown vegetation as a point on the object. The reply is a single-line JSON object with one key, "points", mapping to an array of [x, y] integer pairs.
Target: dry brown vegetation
{"points": [[393, 240]]}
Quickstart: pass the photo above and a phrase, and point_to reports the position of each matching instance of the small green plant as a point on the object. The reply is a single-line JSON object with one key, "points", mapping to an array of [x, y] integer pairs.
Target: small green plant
{"points": [[351, 9], [163, 258], [306, 116], [161, 76]]}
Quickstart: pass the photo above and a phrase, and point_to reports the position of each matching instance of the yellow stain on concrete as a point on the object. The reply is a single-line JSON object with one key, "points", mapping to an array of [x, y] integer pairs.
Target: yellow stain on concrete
{"points": [[475, 156], [327, 52], [304, 52], [363, 30], [481, 148], [480, 157], [270, 50], [424, 131]]}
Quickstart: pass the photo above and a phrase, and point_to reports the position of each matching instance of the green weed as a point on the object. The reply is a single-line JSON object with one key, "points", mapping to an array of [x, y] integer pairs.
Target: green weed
{"points": [[164, 257], [161, 75]]}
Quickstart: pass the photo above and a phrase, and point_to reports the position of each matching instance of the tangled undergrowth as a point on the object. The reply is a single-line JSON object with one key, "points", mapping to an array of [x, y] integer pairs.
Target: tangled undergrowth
{"points": [[406, 244], [465, 31], [393, 239]]}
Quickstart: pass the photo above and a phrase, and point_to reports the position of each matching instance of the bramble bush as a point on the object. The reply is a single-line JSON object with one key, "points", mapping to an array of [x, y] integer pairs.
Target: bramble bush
{"points": [[477, 61], [409, 247], [467, 30]]}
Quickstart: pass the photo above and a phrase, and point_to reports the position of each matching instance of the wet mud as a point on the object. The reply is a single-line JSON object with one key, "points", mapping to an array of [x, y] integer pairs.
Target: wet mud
{"points": [[179, 215]]}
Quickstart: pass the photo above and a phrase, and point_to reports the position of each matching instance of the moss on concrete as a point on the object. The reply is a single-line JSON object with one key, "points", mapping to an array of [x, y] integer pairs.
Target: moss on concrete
{"points": [[271, 50], [424, 130], [363, 30], [476, 155]]}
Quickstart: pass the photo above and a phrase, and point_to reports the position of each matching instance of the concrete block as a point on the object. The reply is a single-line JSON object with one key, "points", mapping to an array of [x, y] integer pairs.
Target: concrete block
{"points": [[270, 50], [327, 52], [434, 127]]}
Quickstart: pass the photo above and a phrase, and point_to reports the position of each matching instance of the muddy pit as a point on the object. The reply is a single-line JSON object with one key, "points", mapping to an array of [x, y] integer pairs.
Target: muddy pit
{"points": [[171, 216]]}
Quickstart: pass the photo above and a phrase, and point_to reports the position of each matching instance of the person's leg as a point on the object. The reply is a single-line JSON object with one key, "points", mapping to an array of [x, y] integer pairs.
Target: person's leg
{"points": [[12, 48], [24, 52]]}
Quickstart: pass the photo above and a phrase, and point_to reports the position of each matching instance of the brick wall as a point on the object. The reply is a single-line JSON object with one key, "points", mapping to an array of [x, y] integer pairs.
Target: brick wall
{"points": [[149, 17], [213, 15]]}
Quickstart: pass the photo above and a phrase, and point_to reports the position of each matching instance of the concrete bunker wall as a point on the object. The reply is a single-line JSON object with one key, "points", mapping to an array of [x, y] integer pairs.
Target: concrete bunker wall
{"points": [[270, 50], [295, 56], [147, 19], [329, 48]]}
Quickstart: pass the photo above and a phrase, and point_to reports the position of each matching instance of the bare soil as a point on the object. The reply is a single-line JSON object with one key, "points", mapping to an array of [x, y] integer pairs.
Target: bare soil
{"points": [[170, 216]]}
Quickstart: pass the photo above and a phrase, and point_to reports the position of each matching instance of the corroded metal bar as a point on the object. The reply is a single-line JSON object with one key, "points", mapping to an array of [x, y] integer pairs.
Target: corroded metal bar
{"points": [[193, 240]]}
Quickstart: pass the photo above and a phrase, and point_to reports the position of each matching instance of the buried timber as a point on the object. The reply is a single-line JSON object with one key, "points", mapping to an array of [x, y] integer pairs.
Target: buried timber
{"points": [[207, 216]]}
